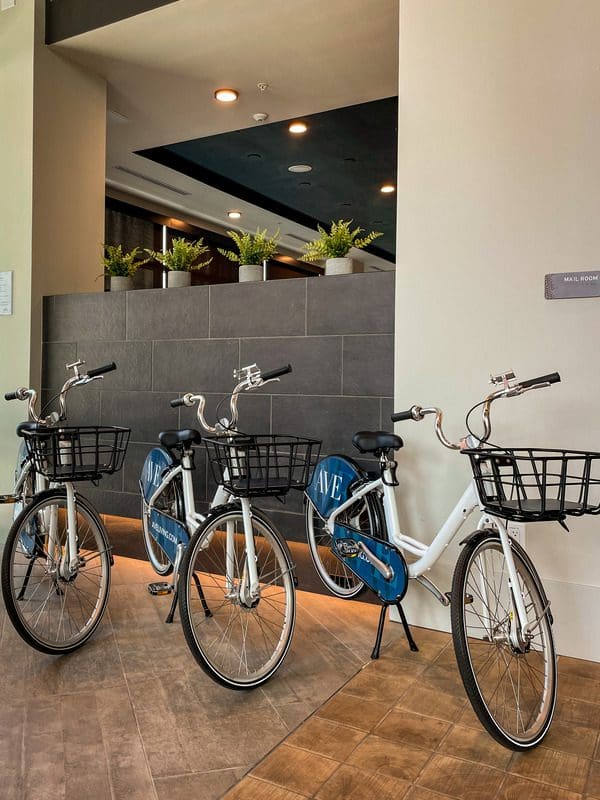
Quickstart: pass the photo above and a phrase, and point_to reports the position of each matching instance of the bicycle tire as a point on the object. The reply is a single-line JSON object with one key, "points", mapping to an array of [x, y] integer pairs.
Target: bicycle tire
{"points": [[337, 578], [28, 488], [78, 606], [481, 635], [210, 609], [171, 502]]}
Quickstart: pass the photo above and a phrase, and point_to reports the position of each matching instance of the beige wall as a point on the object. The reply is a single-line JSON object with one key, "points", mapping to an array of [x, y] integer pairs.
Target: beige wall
{"points": [[498, 184], [16, 181], [52, 167]]}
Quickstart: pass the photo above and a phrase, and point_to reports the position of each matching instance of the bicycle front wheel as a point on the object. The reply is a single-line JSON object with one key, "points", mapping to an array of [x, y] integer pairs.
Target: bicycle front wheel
{"points": [[509, 675], [54, 598], [238, 639]]}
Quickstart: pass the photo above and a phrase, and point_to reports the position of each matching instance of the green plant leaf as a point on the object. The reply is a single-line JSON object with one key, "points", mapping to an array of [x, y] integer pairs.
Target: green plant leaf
{"points": [[337, 242]]}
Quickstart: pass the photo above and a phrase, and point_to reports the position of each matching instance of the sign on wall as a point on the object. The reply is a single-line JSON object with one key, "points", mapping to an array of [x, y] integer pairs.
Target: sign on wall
{"points": [[565, 285], [6, 293]]}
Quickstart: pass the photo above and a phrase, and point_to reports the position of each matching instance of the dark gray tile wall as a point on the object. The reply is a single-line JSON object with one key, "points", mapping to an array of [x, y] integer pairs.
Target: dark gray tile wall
{"points": [[337, 332]]}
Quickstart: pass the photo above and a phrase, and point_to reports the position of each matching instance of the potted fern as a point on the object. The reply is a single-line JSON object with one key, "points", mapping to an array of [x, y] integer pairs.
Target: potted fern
{"points": [[120, 267], [335, 244], [252, 250], [181, 259]]}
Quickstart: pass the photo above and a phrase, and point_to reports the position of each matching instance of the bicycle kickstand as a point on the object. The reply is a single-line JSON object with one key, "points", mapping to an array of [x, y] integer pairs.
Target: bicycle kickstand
{"points": [[408, 634], [171, 613]]}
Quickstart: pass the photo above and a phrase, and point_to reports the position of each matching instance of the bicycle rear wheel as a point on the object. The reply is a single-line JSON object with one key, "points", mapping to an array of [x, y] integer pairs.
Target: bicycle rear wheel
{"points": [[363, 515], [55, 600], [170, 501], [512, 688], [238, 641]]}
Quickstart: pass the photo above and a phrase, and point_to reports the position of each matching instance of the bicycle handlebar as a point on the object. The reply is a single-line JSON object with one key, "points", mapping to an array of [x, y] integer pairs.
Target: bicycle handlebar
{"points": [[417, 413], [77, 379], [553, 377], [95, 373], [251, 378], [276, 373]]}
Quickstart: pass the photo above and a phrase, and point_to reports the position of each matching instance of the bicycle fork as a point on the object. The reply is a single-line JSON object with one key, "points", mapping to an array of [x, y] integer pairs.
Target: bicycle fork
{"points": [[249, 589], [521, 629]]}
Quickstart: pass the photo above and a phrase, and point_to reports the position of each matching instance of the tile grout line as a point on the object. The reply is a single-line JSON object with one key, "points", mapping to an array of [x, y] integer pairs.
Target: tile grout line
{"points": [[135, 716]]}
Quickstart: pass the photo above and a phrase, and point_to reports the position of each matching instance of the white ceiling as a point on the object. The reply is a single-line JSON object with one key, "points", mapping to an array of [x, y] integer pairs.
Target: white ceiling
{"points": [[163, 66]]}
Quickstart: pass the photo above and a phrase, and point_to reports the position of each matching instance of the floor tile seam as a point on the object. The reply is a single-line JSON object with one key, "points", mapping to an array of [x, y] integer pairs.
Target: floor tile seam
{"points": [[334, 636], [137, 725], [280, 785], [547, 782], [314, 713], [22, 752], [456, 757], [197, 772], [588, 779]]}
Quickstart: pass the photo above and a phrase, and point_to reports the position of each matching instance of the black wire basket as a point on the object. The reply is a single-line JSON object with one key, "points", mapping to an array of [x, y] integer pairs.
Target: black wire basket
{"points": [[264, 465], [77, 454], [527, 485]]}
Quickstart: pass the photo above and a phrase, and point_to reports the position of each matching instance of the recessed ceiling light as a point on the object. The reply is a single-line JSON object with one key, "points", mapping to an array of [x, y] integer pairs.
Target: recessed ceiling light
{"points": [[226, 95], [346, 204], [387, 188], [300, 168], [350, 160], [304, 184], [234, 214], [298, 127], [254, 156]]}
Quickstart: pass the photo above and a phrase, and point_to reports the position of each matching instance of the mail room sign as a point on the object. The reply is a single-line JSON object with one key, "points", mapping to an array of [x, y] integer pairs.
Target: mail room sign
{"points": [[565, 285]]}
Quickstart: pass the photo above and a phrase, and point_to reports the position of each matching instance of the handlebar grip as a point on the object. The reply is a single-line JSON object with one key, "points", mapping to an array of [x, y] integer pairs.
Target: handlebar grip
{"points": [[275, 373], [179, 401], [399, 416], [553, 377], [92, 373], [11, 396]]}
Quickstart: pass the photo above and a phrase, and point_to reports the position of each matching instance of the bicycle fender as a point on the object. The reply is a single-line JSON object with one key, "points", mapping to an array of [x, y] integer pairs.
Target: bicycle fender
{"points": [[157, 462], [476, 537], [331, 483]]}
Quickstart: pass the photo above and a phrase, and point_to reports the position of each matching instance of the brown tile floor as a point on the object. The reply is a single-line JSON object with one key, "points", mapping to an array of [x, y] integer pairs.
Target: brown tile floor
{"points": [[402, 728], [131, 715]]}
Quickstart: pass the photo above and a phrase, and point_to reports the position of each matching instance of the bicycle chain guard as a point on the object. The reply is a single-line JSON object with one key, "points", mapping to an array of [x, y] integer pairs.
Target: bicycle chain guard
{"points": [[368, 559]]}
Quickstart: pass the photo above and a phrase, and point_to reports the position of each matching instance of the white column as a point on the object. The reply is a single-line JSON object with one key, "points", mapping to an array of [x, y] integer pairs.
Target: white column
{"points": [[499, 184]]}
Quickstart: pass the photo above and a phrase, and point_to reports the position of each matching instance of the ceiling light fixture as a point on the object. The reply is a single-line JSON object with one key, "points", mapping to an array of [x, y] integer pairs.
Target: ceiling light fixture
{"points": [[226, 95], [300, 168], [387, 188], [234, 214], [298, 127]]}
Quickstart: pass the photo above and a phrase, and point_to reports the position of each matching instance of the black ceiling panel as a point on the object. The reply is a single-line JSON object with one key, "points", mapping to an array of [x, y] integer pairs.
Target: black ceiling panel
{"points": [[66, 18], [352, 151]]}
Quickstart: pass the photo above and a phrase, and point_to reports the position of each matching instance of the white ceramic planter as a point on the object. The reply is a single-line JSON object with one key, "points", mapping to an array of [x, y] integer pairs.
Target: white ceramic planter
{"points": [[338, 266], [118, 283], [178, 278], [251, 272]]}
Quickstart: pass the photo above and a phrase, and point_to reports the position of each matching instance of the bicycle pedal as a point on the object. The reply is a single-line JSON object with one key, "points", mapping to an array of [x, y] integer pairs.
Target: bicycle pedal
{"points": [[159, 588]]}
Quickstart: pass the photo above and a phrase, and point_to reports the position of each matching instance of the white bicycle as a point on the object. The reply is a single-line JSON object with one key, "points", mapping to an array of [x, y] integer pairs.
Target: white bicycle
{"points": [[501, 619], [232, 571], [57, 558]]}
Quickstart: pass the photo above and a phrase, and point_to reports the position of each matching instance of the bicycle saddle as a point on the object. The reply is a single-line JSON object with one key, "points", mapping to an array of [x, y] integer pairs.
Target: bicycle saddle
{"points": [[376, 441], [187, 436]]}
